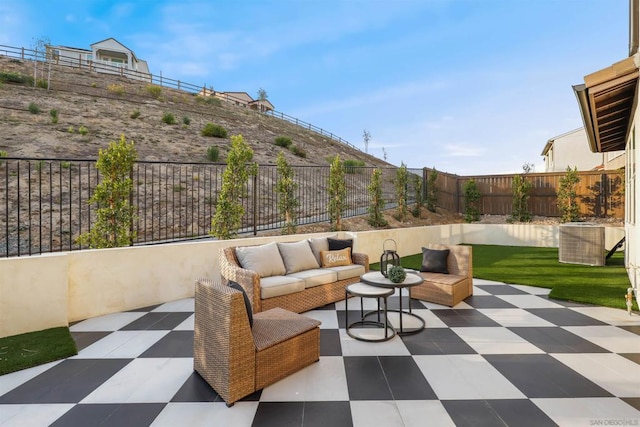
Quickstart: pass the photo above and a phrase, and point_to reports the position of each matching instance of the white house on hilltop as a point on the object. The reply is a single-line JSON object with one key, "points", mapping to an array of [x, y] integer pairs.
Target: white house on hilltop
{"points": [[106, 56], [571, 149]]}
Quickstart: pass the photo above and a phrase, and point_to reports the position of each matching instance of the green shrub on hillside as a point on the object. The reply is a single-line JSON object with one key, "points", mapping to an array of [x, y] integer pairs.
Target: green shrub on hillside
{"points": [[351, 166], [135, 114], [116, 89], [42, 84], [54, 116], [154, 90], [209, 100], [283, 141], [3, 154], [169, 119], [186, 121], [298, 151], [83, 130], [211, 129], [213, 153], [10, 77], [33, 108]]}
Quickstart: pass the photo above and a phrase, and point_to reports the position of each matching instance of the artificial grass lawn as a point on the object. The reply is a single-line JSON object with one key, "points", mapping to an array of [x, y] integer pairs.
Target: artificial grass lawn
{"points": [[605, 286], [35, 348]]}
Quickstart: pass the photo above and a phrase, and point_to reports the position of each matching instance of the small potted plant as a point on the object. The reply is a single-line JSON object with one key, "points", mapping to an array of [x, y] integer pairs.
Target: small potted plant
{"points": [[397, 274]]}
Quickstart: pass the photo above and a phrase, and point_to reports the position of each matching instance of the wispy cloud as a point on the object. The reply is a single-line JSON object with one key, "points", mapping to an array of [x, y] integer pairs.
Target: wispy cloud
{"points": [[463, 150]]}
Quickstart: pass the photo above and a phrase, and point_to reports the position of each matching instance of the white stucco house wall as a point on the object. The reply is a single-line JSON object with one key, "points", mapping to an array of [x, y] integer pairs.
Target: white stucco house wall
{"points": [[571, 149], [608, 102], [106, 56]]}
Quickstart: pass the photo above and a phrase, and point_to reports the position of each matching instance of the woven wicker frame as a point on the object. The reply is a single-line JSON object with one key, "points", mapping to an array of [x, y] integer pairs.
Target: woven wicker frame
{"points": [[298, 302], [460, 264], [224, 346]]}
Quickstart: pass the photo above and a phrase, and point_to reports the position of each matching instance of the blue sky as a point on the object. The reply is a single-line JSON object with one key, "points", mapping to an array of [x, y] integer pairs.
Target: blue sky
{"points": [[468, 86]]}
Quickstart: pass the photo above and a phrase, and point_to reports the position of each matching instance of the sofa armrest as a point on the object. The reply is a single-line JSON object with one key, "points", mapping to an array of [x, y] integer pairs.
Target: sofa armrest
{"points": [[362, 259], [249, 280]]}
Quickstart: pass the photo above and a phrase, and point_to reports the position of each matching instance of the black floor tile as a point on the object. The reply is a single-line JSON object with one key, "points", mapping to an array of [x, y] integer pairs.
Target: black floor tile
{"points": [[174, 344], [487, 301], [85, 339], [511, 412], [631, 328], [634, 357], [331, 306], [366, 379], [463, 318], [405, 378], [632, 401], [501, 290], [67, 382], [436, 341], [394, 303], [326, 414], [564, 317], [157, 321], [279, 414], [196, 389], [105, 415], [540, 376], [557, 340], [148, 308], [330, 342]]}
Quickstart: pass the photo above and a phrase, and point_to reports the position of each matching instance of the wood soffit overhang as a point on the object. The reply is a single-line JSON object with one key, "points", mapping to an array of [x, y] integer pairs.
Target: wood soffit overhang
{"points": [[606, 102]]}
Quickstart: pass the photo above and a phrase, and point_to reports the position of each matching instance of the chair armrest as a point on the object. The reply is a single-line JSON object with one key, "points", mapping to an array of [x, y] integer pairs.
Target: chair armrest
{"points": [[248, 279], [362, 259]]}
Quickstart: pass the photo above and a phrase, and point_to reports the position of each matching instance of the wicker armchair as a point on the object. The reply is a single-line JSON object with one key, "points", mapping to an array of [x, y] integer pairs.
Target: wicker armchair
{"points": [[237, 359], [448, 289]]}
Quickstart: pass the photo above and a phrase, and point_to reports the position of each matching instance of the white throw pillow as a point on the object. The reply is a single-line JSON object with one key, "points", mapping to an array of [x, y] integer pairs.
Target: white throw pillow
{"points": [[264, 259], [297, 256]]}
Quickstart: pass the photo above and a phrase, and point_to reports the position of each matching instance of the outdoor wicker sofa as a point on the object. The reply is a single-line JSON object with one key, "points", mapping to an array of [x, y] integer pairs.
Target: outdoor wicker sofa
{"points": [[237, 358], [311, 287], [452, 287]]}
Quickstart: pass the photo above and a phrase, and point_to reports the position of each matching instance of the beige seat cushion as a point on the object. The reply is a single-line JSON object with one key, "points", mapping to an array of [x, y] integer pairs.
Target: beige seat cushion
{"points": [[297, 256], [316, 277], [348, 271], [275, 286], [444, 279], [274, 326]]}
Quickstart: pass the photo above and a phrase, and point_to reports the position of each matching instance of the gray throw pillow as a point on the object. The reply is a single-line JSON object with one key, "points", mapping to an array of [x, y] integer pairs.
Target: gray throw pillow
{"points": [[434, 261], [297, 256]]}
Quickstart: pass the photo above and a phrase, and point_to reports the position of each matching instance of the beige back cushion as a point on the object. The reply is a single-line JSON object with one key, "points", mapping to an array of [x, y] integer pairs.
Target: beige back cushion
{"points": [[297, 256], [319, 244], [264, 259]]}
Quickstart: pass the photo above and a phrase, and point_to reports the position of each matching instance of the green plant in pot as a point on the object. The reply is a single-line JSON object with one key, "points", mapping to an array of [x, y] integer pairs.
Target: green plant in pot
{"points": [[397, 274]]}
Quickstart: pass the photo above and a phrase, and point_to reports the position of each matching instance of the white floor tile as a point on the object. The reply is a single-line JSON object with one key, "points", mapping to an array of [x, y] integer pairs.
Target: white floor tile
{"points": [[144, 381], [479, 291], [459, 306], [186, 325], [614, 373], [485, 282], [534, 290], [489, 340], [613, 316], [529, 301], [181, 305], [195, 414], [465, 376], [609, 337], [325, 380], [108, 322], [590, 411], [10, 381], [32, 415], [418, 413], [375, 413], [353, 347], [121, 345], [514, 317], [329, 318]]}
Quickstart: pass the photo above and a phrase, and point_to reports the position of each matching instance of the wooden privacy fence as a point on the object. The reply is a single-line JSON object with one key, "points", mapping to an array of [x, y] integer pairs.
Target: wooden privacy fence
{"points": [[600, 193]]}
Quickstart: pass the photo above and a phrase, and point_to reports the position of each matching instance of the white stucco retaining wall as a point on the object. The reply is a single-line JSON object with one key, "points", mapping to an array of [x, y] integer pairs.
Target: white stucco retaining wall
{"points": [[51, 290]]}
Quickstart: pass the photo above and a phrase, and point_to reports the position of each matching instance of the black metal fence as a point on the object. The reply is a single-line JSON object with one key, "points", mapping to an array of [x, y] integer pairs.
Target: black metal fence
{"points": [[44, 202]]}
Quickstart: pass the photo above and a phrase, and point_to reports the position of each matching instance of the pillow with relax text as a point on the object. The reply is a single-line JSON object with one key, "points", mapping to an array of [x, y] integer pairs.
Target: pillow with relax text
{"points": [[336, 258], [434, 261]]}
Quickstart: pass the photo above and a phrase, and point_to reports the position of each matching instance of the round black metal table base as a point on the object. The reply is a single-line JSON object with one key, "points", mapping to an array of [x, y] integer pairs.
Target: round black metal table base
{"points": [[400, 329], [390, 332]]}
